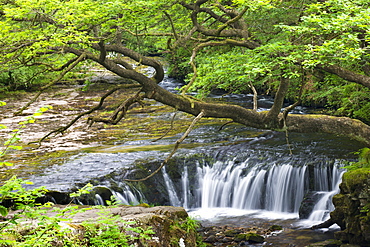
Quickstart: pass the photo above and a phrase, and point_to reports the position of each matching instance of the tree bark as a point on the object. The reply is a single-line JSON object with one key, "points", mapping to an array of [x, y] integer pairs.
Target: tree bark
{"points": [[342, 126], [347, 74]]}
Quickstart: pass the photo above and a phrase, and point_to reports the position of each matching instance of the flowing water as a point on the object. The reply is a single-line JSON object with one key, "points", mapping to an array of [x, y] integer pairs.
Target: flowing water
{"points": [[237, 176]]}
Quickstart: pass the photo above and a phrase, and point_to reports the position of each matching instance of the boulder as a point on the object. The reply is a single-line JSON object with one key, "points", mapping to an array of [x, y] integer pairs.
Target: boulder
{"points": [[352, 208], [166, 223]]}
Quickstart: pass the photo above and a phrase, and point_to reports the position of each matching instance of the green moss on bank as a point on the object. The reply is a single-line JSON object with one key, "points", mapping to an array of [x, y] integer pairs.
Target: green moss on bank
{"points": [[356, 178]]}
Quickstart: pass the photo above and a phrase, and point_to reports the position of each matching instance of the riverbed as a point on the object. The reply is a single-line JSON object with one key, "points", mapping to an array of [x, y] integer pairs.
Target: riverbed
{"points": [[82, 155]]}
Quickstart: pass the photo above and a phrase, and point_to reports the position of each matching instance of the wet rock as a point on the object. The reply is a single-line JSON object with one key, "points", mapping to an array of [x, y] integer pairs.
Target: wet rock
{"points": [[253, 237], [352, 211], [226, 236], [210, 239], [227, 240], [239, 238], [327, 243], [232, 232], [308, 204], [275, 228]]}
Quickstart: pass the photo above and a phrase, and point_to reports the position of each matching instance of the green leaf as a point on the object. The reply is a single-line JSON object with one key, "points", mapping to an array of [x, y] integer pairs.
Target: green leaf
{"points": [[6, 164], [16, 147], [3, 211]]}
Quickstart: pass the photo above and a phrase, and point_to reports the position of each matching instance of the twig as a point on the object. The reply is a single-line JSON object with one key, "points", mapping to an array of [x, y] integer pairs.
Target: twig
{"points": [[70, 67], [200, 115], [222, 126], [64, 128], [168, 130], [255, 94]]}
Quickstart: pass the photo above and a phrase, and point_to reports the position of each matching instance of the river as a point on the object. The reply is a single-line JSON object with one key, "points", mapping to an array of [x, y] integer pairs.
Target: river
{"points": [[236, 176]]}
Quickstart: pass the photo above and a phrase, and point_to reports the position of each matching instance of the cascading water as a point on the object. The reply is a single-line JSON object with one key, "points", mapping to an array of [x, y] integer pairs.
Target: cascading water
{"points": [[174, 199], [274, 185], [324, 206], [236, 172], [252, 172]]}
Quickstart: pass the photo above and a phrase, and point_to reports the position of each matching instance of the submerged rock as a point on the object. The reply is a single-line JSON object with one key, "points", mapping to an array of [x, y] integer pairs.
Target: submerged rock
{"points": [[234, 236], [327, 243]]}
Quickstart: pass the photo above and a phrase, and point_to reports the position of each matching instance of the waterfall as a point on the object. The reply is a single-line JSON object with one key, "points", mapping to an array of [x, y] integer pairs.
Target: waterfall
{"points": [[185, 186], [174, 199], [99, 200], [324, 206], [285, 188], [127, 197], [278, 187], [261, 181]]}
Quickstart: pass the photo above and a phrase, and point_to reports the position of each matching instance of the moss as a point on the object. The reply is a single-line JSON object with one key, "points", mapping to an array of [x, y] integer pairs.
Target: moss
{"points": [[31, 163], [352, 207], [355, 179], [254, 237], [186, 230], [275, 228]]}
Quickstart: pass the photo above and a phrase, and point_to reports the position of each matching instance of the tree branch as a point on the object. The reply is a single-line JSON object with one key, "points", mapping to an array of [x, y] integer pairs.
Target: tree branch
{"points": [[233, 20], [168, 130], [120, 111], [178, 142], [97, 107], [346, 74], [272, 115], [69, 68], [172, 25]]}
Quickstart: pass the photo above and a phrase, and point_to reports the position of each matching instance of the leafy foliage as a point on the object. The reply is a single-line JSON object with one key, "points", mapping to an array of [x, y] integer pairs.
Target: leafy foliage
{"points": [[54, 229], [237, 45], [295, 38], [19, 205], [112, 231]]}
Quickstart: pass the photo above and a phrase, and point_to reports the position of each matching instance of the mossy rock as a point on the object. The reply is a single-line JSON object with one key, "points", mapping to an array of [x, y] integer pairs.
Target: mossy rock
{"points": [[231, 233], [275, 228], [254, 237], [240, 237], [354, 180], [351, 207]]}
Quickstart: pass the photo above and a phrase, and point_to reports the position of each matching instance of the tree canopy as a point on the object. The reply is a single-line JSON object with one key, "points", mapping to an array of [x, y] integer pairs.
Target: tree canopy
{"points": [[304, 52]]}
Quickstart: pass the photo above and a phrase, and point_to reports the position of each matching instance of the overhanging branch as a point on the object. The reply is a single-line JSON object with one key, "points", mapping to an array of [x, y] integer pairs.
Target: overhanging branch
{"points": [[62, 129], [69, 68], [347, 74]]}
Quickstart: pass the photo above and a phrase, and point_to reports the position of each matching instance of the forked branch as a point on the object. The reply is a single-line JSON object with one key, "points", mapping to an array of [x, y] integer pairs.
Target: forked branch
{"points": [[62, 129], [61, 75], [120, 111]]}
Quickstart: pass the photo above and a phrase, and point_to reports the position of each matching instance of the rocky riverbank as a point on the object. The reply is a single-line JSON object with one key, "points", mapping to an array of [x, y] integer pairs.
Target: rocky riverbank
{"points": [[352, 208]]}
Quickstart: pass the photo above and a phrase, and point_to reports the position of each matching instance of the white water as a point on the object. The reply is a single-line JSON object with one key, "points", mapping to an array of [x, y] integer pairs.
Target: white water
{"points": [[271, 188], [324, 206], [174, 199], [265, 190]]}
